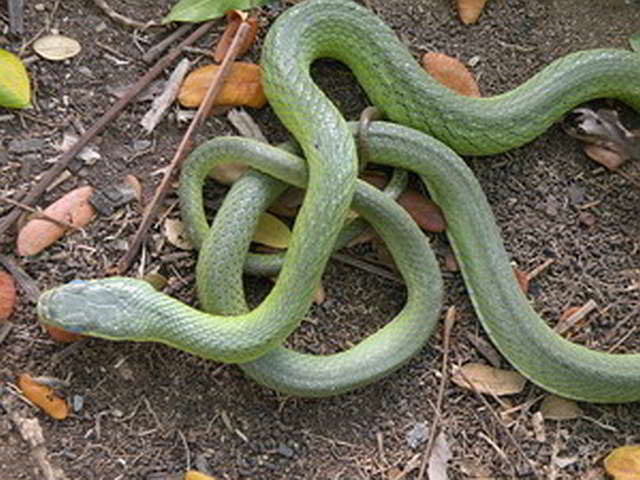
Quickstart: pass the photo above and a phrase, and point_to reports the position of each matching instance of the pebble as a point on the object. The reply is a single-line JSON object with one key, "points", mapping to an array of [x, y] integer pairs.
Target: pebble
{"points": [[77, 403], [417, 435], [285, 450]]}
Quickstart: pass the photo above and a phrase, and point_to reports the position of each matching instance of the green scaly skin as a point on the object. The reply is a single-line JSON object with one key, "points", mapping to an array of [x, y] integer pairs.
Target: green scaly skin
{"points": [[343, 30]]}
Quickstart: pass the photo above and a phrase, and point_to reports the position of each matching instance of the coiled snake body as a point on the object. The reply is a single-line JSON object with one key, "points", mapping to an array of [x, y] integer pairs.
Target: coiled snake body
{"points": [[127, 309]]}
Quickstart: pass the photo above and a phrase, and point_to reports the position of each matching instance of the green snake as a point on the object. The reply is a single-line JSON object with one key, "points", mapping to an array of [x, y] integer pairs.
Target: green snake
{"points": [[127, 309]]}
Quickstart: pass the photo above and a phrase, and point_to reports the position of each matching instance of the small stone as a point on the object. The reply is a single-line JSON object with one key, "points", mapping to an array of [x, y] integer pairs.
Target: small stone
{"points": [[285, 450], [417, 435], [77, 403], [473, 61]]}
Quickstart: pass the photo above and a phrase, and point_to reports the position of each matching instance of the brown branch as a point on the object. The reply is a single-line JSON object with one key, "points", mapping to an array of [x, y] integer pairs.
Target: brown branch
{"points": [[40, 215], [119, 18], [185, 145], [449, 320], [97, 127]]}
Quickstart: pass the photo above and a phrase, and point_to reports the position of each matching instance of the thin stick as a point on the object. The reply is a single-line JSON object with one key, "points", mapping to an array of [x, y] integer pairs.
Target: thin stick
{"points": [[160, 47], [39, 214], [119, 18], [185, 144], [496, 417], [97, 127], [449, 320]]}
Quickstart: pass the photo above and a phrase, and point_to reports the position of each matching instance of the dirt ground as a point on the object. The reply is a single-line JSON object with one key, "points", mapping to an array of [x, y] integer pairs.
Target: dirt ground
{"points": [[150, 412]]}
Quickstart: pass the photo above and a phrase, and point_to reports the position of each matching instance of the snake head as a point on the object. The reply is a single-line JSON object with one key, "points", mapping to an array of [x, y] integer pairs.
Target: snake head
{"points": [[97, 307]]}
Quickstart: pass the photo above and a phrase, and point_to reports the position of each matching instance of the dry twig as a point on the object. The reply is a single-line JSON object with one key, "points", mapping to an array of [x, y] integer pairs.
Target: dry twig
{"points": [[214, 88], [449, 320], [97, 127]]}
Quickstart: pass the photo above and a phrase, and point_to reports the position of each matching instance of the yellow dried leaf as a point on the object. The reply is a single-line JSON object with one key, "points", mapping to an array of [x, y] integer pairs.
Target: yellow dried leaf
{"points": [[194, 475], [451, 73], [272, 232], [73, 208], [623, 463], [43, 397], [242, 87], [486, 379], [470, 10], [558, 408]]}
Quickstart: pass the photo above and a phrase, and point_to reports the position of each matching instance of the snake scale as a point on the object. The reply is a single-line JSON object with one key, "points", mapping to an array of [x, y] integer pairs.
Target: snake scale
{"points": [[431, 127]]}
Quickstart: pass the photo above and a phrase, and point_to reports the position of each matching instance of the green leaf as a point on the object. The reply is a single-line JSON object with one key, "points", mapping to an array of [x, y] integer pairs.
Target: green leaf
{"points": [[634, 41], [15, 91], [201, 10]]}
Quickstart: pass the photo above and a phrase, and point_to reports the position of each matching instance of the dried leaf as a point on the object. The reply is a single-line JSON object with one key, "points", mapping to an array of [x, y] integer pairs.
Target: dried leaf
{"points": [[227, 173], [272, 232], [610, 159], [234, 19], [440, 456], [156, 280], [242, 87], [62, 336], [288, 202], [537, 422], [486, 379], [425, 212], [194, 475], [451, 73], [451, 262], [558, 408], [43, 396], [623, 463], [73, 208], [470, 10], [523, 279], [176, 235], [56, 47], [15, 91], [7, 295]]}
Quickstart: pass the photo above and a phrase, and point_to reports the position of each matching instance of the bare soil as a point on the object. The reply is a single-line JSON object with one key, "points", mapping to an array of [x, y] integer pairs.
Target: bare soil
{"points": [[150, 412]]}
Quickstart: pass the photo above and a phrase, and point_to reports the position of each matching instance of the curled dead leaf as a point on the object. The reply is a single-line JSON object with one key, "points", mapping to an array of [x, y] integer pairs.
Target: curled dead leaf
{"points": [[451, 73], [242, 87], [7, 295], [43, 396], [234, 19], [72, 208], [623, 463], [558, 408], [486, 379], [470, 10]]}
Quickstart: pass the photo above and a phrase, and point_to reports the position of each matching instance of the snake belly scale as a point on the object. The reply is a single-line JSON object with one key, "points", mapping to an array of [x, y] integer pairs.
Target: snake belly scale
{"points": [[343, 30]]}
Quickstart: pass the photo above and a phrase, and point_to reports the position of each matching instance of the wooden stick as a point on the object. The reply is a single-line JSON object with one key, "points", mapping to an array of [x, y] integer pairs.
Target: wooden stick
{"points": [[97, 127], [185, 145]]}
